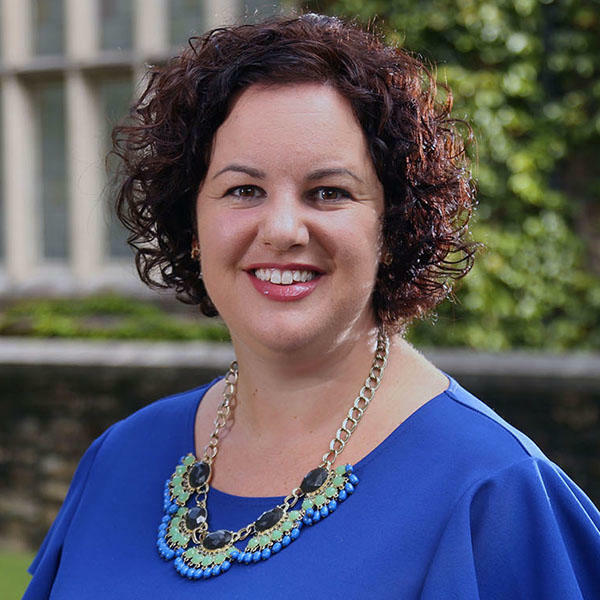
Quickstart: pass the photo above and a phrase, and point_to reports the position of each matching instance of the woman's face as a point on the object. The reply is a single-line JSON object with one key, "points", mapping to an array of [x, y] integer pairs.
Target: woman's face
{"points": [[289, 218]]}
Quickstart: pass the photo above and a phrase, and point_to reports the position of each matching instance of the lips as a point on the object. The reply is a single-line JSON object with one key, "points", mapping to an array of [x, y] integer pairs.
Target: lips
{"points": [[284, 283]]}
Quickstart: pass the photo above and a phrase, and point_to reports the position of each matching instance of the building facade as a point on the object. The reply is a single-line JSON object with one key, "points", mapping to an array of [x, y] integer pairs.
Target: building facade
{"points": [[68, 72]]}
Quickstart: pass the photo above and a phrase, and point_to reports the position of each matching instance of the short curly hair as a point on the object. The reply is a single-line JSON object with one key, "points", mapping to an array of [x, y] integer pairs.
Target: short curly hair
{"points": [[418, 150]]}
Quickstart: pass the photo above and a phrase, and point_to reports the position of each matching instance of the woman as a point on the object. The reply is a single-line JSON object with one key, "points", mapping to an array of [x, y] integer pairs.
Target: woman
{"points": [[300, 178]]}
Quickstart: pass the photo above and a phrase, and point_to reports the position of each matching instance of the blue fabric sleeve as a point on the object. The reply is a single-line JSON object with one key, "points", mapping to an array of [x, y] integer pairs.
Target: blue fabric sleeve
{"points": [[45, 564], [526, 532]]}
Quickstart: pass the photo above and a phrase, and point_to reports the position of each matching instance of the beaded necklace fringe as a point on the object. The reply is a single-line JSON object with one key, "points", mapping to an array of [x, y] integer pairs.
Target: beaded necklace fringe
{"points": [[198, 553]]}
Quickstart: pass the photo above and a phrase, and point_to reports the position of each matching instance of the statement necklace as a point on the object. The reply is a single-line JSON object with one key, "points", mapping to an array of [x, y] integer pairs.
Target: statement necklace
{"points": [[183, 533]]}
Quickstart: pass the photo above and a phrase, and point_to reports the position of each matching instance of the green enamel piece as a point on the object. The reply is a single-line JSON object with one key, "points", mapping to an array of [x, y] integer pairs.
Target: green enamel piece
{"points": [[177, 481], [308, 503], [340, 470], [320, 500], [180, 470], [206, 560], [181, 512], [252, 544], [263, 540], [188, 460], [276, 535], [287, 526], [184, 496], [294, 515], [338, 482], [192, 556], [219, 558], [177, 490], [330, 492]]}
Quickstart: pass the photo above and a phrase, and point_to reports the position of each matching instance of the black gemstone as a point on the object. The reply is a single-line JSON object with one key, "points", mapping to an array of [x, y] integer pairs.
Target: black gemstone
{"points": [[314, 480], [195, 517], [217, 539], [199, 474], [268, 519]]}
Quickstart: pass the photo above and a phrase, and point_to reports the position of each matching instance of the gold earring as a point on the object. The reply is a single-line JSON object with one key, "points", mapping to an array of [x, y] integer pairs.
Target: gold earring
{"points": [[195, 251], [387, 258]]}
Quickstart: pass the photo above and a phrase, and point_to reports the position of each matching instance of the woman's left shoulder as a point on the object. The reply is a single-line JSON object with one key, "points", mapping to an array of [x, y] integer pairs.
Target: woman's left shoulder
{"points": [[479, 419], [521, 528]]}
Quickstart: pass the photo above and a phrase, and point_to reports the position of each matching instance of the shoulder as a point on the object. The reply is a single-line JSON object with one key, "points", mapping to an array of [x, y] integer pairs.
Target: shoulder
{"points": [[477, 434], [457, 442], [151, 439], [481, 418], [450, 421]]}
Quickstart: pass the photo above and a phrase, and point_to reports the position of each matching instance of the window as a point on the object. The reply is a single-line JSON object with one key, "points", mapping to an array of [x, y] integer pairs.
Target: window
{"points": [[116, 20], [51, 180], [69, 72], [47, 26]]}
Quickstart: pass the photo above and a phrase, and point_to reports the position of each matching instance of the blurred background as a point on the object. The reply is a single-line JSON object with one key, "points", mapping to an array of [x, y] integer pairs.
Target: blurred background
{"points": [[83, 343]]}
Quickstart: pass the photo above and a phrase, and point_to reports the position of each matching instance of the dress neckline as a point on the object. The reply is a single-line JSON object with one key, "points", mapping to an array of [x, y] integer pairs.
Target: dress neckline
{"points": [[381, 447]]}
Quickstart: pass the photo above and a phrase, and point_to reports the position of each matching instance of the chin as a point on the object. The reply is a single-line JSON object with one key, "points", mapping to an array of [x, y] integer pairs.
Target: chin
{"points": [[304, 336], [288, 339]]}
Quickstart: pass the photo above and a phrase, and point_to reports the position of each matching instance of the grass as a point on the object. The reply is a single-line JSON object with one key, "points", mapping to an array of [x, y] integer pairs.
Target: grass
{"points": [[13, 574], [106, 316]]}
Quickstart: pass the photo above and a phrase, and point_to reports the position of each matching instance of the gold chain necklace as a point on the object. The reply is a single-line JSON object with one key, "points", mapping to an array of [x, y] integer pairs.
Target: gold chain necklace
{"points": [[183, 533]]}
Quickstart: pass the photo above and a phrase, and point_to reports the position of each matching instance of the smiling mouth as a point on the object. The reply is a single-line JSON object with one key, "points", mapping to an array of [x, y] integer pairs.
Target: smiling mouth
{"points": [[284, 277]]}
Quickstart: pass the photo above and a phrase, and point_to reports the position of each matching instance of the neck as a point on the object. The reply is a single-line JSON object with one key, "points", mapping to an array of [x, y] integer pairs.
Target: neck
{"points": [[283, 395]]}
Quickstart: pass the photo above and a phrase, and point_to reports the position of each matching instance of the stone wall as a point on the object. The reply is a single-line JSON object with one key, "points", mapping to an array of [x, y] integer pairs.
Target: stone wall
{"points": [[57, 397]]}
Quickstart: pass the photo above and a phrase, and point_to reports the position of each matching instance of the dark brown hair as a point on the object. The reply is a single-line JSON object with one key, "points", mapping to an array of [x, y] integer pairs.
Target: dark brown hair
{"points": [[417, 149]]}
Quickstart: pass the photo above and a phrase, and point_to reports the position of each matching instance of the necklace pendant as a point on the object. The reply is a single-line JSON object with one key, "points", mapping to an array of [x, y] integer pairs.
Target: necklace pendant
{"points": [[333, 487], [275, 529], [208, 559], [191, 476]]}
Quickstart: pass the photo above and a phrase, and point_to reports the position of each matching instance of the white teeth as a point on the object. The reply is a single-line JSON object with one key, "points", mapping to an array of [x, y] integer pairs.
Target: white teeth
{"points": [[284, 277]]}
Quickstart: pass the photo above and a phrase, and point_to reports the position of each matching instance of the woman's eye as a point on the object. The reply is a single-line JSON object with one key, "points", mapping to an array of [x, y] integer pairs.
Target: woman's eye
{"points": [[244, 191], [327, 194]]}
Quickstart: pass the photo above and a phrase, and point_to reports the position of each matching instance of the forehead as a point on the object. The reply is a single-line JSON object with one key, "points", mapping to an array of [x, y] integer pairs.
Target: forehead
{"points": [[307, 121]]}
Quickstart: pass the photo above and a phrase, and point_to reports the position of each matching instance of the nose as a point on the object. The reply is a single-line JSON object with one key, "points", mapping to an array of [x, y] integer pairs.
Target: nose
{"points": [[284, 224]]}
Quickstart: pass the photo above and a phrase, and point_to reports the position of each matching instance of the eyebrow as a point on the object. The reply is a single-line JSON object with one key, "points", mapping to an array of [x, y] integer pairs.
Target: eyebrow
{"points": [[313, 176], [241, 169], [322, 173]]}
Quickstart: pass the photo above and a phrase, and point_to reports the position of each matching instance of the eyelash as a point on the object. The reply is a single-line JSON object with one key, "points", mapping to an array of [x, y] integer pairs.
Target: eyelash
{"points": [[343, 194], [235, 191]]}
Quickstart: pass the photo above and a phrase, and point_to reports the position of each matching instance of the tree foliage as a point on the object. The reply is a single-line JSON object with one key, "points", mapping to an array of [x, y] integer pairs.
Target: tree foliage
{"points": [[524, 73]]}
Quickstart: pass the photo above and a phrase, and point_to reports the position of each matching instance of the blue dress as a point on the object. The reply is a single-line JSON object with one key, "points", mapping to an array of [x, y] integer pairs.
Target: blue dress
{"points": [[454, 504]]}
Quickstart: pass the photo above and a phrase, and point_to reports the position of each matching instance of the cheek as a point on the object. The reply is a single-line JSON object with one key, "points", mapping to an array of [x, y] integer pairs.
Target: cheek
{"points": [[222, 236], [361, 245]]}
